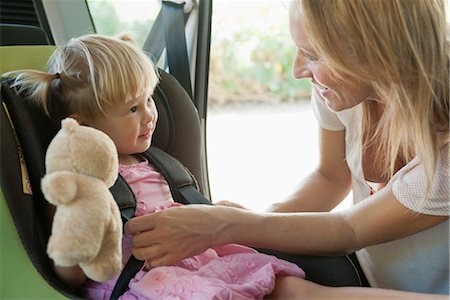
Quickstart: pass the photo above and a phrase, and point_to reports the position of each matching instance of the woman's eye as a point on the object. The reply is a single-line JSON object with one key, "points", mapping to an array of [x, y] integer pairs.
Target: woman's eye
{"points": [[309, 57]]}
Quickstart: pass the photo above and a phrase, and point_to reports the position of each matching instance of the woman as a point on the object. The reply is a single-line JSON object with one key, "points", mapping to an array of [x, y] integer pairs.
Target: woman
{"points": [[380, 71]]}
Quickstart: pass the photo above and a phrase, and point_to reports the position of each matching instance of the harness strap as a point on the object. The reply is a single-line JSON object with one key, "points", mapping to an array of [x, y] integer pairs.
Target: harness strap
{"points": [[125, 198], [183, 188], [130, 269], [176, 174], [192, 195]]}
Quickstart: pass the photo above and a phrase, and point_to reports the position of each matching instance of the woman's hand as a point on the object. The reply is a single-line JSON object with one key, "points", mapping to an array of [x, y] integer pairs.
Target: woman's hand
{"points": [[229, 204], [165, 237]]}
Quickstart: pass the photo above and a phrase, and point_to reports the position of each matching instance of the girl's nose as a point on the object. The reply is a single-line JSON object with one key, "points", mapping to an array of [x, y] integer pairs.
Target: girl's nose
{"points": [[149, 115]]}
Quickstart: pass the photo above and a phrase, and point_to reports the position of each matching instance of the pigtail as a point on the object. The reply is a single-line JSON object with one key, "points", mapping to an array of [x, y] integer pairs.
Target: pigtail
{"points": [[34, 85]]}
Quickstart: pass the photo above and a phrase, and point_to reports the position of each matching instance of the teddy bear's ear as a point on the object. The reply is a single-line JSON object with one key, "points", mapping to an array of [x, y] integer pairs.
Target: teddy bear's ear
{"points": [[69, 124]]}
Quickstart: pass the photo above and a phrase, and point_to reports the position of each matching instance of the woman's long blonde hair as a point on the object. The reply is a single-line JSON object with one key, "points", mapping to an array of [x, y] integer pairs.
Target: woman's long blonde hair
{"points": [[86, 74], [399, 48]]}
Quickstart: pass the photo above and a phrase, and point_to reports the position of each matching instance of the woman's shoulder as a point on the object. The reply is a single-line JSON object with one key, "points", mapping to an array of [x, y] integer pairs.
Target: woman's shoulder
{"points": [[409, 185]]}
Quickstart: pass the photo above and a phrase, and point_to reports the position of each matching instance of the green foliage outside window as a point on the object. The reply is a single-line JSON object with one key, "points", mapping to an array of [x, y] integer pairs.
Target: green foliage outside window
{"points": [[107, 21], [251, 65], [247, 63]]}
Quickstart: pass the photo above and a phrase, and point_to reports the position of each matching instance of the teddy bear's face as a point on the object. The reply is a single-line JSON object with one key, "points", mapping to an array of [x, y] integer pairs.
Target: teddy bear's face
{"points": [[84, 150]]}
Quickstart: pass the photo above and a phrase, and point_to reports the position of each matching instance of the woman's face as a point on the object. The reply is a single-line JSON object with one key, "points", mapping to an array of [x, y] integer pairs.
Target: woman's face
{"points": [[308, 64]]}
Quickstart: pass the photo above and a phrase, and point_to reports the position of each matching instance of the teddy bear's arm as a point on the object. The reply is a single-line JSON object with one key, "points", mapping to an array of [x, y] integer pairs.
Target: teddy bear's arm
{"points": [[59, 187]]}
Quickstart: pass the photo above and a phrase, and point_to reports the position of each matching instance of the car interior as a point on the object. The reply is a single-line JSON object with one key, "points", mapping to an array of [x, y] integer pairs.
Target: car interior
{"points": [[25, 133]]}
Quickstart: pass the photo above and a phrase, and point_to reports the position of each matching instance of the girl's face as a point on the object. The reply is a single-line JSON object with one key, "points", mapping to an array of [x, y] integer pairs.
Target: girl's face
{"points": [[307, 64], [130, 125]]}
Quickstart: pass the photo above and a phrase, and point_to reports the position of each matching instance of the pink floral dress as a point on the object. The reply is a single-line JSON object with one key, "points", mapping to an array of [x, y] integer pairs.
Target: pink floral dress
{"points": [[224, 272]]}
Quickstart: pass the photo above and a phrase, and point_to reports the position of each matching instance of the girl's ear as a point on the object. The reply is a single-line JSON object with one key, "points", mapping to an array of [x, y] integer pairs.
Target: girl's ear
{"points": [[79, 119]]}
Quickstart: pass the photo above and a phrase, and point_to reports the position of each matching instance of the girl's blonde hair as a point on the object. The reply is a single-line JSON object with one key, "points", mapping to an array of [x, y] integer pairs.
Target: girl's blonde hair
{"points": [[87, 74], [400, 49]]}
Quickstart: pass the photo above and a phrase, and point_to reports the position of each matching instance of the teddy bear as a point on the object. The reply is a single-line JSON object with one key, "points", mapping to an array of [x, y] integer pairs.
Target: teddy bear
{"points": [[81, 164]]}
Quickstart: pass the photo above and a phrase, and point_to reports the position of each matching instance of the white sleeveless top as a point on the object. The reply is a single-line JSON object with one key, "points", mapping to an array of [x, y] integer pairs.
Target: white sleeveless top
{"points": [[419, 262]]}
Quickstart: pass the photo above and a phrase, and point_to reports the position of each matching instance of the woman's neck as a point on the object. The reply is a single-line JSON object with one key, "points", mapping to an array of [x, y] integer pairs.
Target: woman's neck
{"points": [[379, 109]]}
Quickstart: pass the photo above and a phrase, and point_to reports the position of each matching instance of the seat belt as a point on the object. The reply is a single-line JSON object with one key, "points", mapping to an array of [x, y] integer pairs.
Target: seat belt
{"points": [[183, 187], [168, 32]]}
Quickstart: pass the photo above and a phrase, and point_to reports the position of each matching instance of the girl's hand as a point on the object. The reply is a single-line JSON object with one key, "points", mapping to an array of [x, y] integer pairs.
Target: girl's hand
{"points": [[165, 237]]}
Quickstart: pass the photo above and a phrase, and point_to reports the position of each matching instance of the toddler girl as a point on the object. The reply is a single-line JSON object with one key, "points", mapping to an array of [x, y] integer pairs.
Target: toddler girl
{"points": [[107, 83]]}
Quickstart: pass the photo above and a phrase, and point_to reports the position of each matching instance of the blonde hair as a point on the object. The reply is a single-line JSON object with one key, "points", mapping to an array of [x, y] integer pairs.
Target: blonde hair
{"points": [[87, 74], [400, 49]]}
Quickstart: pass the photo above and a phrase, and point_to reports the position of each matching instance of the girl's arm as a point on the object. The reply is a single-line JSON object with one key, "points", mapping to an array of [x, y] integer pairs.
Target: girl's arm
{"points": [[74, 276], [328, 185]]}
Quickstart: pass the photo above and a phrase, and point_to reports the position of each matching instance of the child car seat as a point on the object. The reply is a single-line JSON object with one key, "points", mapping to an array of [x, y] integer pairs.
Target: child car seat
{"points": [[26, 133]]}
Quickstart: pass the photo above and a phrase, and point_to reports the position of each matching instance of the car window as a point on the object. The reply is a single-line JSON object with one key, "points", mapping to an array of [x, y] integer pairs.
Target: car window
{"points": [[114, 17], [261, 132]]}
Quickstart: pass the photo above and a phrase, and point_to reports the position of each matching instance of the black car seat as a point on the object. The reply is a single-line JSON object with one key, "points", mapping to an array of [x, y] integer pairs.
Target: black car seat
{"points": [[25, 134]]}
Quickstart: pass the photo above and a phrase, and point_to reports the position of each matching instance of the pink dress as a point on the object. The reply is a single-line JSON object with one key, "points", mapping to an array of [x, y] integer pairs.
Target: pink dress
{"points": [[225, 272]]}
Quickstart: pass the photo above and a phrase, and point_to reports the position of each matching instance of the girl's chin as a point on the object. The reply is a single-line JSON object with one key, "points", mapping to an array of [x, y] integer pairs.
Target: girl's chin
{"points": [[146, 147], [141, 147]]}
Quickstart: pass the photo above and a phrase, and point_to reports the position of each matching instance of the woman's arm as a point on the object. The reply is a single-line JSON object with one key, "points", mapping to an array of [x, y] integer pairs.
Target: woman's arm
{"points": [[377, 219], [167, 236], [328, 185], [297, 288]]}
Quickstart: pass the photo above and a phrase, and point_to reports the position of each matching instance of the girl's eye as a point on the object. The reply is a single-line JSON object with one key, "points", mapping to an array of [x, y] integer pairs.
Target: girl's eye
{"points": [[133, 109]]}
